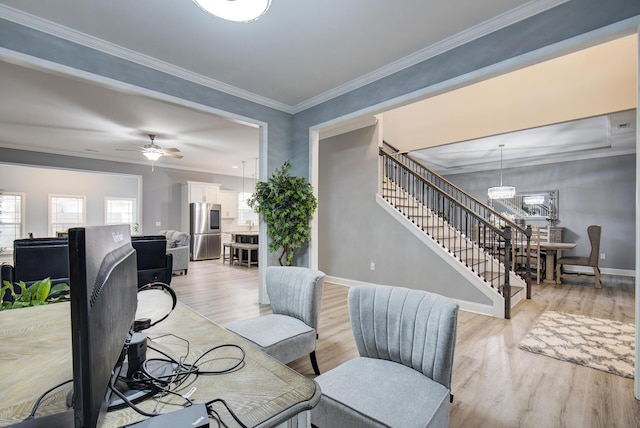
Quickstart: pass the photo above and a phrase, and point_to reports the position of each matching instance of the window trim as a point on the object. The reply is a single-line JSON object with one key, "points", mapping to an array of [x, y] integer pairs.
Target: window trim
{"points": [[50, 209], [23, 214], [134, 202]]}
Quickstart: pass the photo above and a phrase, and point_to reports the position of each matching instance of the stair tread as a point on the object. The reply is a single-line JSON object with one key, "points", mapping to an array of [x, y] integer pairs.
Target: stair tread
{"points": [[483, 263]]}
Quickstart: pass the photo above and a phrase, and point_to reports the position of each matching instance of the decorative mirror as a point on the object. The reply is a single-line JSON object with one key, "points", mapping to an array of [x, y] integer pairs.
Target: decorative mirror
{"points": [[534, 205]]}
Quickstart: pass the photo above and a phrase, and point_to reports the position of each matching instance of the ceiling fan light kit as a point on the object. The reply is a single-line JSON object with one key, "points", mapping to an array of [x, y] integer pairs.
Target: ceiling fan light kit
{"points": [[153, 152], [152, 155], [235, 10]]}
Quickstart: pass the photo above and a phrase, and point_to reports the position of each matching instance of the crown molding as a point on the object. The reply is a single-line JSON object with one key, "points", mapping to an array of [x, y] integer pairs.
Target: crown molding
{"points": [[496, 23], [100, 45], [513, 16]]}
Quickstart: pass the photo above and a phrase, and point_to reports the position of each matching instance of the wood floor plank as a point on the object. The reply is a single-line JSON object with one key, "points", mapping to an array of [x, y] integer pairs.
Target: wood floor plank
{"points": [[495, 383]]}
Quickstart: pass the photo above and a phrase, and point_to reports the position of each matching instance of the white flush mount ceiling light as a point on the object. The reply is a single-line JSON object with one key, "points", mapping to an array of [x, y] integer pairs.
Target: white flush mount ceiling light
{"points": [[235, 10], [501, 192]]}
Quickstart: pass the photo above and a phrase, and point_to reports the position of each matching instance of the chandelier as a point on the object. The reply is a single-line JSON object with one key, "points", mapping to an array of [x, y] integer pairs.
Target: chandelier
{"points": [[235, 10], [501, 192]]}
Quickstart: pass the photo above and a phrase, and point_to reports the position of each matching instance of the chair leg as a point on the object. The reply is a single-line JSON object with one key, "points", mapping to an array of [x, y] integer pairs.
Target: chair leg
{"points": [[558, 273], [596, 272], [314, 362]]}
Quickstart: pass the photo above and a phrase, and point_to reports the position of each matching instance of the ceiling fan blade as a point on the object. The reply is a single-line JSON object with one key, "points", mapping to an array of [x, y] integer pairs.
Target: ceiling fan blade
{"points": [[171, 149], [171, 155]]}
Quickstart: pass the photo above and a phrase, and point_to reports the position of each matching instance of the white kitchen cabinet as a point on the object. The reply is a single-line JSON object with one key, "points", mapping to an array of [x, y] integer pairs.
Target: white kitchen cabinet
{"points": [[203, 192], [195, 191], [228, 199]]}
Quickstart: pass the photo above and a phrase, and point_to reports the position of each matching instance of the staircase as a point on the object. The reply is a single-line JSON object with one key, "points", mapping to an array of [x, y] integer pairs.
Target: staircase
{"points": [[465, 229]]}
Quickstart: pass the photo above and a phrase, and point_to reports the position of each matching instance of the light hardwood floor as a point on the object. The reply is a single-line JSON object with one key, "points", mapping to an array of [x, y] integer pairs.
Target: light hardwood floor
{"points": [[495, 383]]}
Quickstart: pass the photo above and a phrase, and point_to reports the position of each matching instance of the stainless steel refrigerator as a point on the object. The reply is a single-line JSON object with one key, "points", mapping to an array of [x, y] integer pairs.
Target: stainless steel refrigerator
{"points": [[204, 221]]}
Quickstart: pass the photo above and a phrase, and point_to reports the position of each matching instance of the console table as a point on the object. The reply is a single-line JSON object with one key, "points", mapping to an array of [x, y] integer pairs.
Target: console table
{"points": [[36, 355]]}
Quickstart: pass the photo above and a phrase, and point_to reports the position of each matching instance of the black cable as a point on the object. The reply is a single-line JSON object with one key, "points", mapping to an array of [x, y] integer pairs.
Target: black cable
{"points": [[39, 400], [230, 369], [129, 403], [180, 373], [165, 287], [212, 412], [231, 412]]}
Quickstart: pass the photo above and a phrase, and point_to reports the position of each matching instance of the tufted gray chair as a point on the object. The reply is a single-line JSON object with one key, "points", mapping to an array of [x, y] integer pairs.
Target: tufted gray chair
{"points": [[406, 340], [291, 331]]}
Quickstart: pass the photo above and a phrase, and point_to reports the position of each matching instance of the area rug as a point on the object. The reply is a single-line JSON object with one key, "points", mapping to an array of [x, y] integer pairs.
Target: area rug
{"points": [[597, 343]]}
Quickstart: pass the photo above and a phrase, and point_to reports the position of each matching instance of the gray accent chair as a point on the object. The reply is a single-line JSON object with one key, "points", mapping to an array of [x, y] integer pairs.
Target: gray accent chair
{"points": [[291, 330], [406, 339], [178, 247], [594, 233]]}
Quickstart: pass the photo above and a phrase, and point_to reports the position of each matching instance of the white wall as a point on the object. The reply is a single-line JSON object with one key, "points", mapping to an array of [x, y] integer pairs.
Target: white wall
{"points": [[38, 183]]}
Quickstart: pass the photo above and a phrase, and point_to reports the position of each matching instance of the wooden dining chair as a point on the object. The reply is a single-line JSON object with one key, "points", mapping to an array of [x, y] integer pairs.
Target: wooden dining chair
{"points": [[594, 232], [521, 255], [545, 233]]}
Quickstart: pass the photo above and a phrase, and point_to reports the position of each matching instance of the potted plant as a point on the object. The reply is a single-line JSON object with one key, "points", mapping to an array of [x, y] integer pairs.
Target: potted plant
{"points": [[287, 205], [39, 293]]}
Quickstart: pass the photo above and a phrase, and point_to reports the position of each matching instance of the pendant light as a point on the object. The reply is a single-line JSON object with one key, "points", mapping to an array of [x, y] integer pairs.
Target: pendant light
{"points": [[501, 192]]}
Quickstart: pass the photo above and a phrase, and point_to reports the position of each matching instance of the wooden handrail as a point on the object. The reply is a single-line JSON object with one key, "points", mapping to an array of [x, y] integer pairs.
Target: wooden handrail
{"points": [[461, 223]]}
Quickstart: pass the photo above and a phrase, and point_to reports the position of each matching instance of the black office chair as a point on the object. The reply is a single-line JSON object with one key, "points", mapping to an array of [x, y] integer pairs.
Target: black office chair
{"points": [[154, 264], [592, 260]]}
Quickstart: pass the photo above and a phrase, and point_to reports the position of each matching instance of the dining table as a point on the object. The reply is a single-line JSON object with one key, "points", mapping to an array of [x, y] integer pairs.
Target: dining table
{"points": [[552, 249]]}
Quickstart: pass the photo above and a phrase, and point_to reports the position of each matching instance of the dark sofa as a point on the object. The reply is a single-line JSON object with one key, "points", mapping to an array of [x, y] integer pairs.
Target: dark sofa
{"points": [[36, 259], [154, 264], [40, 258]]}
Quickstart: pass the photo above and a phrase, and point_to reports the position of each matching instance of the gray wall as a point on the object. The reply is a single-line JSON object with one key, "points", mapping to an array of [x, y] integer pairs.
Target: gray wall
{"points": [[287, 136], [595, 191], [354, 230], [568, 20], [161, 189]]}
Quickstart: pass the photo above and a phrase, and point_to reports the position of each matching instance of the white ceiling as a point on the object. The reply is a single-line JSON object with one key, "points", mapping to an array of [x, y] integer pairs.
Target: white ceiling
{"points": [[51, 113], [299, 50], [305, 51]]}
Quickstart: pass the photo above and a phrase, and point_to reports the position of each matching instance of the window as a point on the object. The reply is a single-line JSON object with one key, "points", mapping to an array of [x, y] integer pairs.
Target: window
{"points": [[246, 215], [121, 211], [65, 212], [11, 219]]}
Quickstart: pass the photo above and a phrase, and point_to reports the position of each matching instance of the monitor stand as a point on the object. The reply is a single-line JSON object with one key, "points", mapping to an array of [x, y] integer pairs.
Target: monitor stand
{"points": [[156, 368]]}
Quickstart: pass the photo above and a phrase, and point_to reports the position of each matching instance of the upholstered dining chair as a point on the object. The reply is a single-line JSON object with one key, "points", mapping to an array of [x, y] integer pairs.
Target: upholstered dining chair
{"points": [[402, 378], [291, 330], [591, 260]]}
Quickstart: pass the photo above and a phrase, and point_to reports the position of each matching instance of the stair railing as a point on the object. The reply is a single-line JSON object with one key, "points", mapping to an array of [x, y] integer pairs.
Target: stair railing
{"points": [[466, 227]]}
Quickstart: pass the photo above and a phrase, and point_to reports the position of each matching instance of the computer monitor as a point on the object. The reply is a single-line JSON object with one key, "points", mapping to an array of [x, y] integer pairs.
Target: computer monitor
{"points": [[103, 291]]}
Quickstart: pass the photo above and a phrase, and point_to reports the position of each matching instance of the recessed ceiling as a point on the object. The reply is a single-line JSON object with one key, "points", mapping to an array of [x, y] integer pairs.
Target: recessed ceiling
{"points": [[607, 135], [586, 96]]}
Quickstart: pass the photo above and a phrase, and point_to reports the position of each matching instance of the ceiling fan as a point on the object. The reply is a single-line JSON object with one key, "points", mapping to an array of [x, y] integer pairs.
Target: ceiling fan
{"points": [[153, 152]]}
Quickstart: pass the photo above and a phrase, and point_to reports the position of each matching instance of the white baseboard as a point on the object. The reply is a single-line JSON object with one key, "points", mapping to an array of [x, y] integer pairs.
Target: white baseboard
{"points": [[343, 281], [464, 305]]}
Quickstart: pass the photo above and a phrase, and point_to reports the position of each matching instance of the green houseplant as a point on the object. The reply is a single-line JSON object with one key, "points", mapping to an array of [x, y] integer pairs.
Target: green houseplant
{"points": [[287, 204], [38, 293]]}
